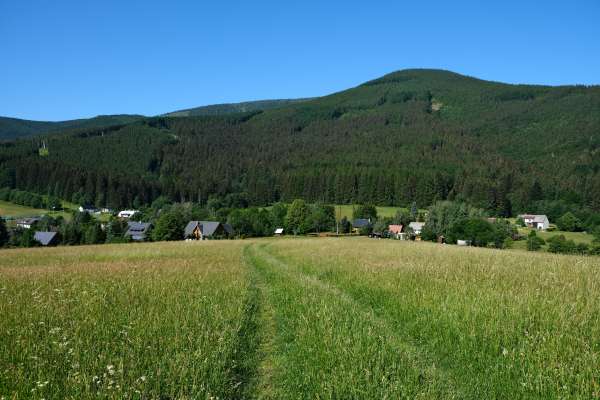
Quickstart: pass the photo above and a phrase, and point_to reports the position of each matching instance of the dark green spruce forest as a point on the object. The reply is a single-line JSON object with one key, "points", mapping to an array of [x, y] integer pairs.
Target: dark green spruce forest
{"points": [[410, 136]]}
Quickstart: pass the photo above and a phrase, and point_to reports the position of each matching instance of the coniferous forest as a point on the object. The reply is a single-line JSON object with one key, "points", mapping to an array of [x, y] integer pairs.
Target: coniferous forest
{"points": [[410, 136]]}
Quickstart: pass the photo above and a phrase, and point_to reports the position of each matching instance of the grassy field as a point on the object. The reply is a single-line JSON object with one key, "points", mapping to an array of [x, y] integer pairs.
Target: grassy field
{"points": [[577, 237], [346, 210], [11, 210], [298, 318]]}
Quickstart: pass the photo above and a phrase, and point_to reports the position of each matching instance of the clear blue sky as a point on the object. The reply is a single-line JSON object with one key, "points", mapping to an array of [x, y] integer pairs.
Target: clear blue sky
{"points": [[72, 59]]}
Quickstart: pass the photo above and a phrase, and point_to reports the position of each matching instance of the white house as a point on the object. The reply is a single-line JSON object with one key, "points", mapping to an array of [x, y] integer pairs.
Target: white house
{"points": [[278, 231], [416, 227], [26, 223], [126, 213], [539, 222]]}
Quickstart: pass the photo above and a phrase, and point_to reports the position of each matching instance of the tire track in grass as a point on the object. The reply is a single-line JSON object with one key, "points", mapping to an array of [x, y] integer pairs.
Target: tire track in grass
{"points": [[258, 370], [435, 381]]}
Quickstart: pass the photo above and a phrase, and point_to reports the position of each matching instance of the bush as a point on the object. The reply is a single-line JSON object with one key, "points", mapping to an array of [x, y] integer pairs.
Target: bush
{"points": [[569, 222], [559, 244], [367, 211], [534, 242]]}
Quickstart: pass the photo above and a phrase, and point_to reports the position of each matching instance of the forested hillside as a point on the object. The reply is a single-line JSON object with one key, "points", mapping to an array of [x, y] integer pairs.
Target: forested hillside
{"points": [[11, 128], [231, 108], [413, 135]]}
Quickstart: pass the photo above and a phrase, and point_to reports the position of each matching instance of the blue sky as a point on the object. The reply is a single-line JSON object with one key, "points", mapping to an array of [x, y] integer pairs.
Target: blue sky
{"points": [[75, 59]]}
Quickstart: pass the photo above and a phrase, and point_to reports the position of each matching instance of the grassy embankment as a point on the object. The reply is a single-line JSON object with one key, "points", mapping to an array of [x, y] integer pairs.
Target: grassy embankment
{"points": [[298, 318]]}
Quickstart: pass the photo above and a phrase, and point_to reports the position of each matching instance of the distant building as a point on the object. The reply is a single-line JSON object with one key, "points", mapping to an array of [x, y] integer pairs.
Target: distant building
{"points": [[416, 227], [278, 231], [89, 209], [137, 231], [539, 222], [397, 232], [126, 214], [26, 223], [360, 223], [201, 230], [46, 238]]}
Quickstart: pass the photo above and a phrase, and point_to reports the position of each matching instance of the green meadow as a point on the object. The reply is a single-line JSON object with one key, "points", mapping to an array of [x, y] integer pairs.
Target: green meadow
{"points": [[287, 318]]}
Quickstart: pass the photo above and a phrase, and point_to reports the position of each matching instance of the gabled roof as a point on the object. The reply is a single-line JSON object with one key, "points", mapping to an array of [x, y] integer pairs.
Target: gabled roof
{"points": [[416, 226], [395, 228], [208, 228], [360, 222], [45, 238], [534, 217], [228, 228], [137, 230], [189, 228]]}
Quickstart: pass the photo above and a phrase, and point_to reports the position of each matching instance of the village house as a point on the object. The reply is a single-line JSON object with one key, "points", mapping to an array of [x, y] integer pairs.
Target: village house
{"points": [[201, 230], [397, 232], [89, 209], [416, 227], [46, 238], [125, 214], [137, 231], [27, 223], [539, 222], [360, 223]]}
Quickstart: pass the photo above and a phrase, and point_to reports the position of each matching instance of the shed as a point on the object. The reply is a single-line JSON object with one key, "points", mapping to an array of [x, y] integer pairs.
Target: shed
{"points": [[278, 231]]}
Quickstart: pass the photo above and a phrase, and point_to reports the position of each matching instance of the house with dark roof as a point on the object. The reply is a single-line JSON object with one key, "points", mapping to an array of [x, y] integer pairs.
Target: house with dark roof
{"points": [[46, 238], [201, 230], [138, 231], [360, 223]]}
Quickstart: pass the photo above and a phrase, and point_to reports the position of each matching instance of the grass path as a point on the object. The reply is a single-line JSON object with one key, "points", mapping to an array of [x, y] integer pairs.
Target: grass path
{"points": [[375, 363]]}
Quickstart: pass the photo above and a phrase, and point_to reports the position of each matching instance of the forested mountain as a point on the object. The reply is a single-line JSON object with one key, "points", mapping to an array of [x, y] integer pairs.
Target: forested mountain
{"points": [[413, 135], [12, 128], [232, 108]]}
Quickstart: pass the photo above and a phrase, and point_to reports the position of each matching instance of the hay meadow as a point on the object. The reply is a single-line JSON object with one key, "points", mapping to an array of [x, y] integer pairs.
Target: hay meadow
{"points": [[325, 318]]}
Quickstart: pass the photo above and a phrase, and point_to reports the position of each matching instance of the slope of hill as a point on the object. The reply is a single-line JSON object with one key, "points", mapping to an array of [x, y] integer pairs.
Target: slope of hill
{"points": [[413, 135], [11, 128], [231, 108]]}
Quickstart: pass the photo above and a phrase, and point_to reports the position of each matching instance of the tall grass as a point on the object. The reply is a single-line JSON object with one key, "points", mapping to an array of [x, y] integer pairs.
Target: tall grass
{"points": [[500, 324], [297, 319], [123, 321]]}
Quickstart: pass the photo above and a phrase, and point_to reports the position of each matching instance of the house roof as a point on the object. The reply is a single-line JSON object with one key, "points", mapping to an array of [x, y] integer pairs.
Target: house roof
{"points": [[137, 230], [416, 226], [535, 217], [395, 228], [189, 228], [360, 222], [45, 238], [278, 231], [208, 228], [28, 221], [228, 228]]}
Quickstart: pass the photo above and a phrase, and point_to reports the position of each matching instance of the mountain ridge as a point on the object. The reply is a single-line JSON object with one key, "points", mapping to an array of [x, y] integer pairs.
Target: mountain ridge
{"points": [[409, 136]]}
